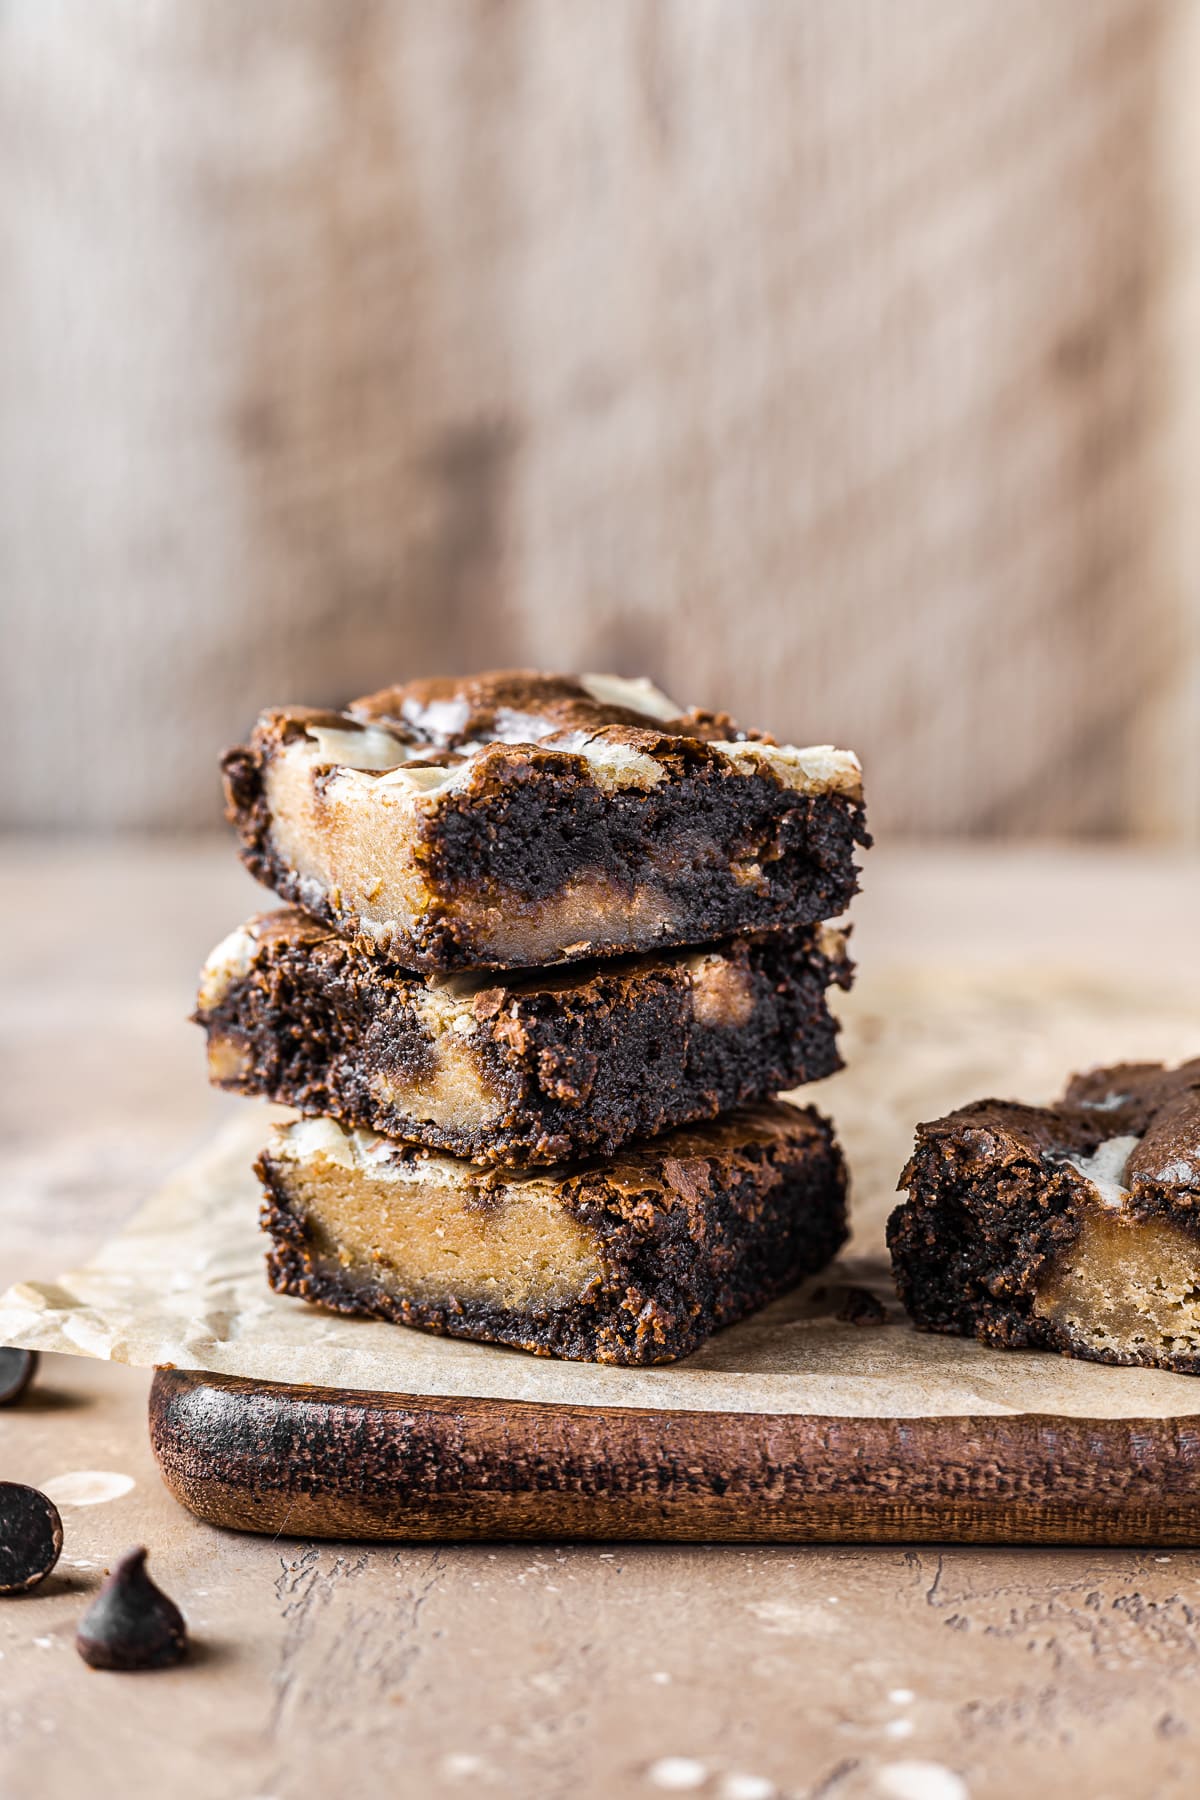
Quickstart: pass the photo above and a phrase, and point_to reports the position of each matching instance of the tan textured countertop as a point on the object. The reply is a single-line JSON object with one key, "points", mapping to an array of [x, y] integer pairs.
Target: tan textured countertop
{"points": [[729, 1672]]}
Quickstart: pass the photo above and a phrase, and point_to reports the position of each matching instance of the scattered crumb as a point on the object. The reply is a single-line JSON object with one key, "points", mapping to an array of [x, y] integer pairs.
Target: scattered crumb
{"points": [[901, 1696], [747, 1787], [460, 1764], [661, 1677], [920, 1781], [859, 1307], [899, 1728], [678, 1774]]}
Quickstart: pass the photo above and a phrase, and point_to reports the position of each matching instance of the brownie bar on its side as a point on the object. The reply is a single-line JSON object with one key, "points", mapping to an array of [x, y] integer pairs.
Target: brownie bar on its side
{"points": [[1074, 1227], [518, 820], [634, 1261], [531, 1069]]}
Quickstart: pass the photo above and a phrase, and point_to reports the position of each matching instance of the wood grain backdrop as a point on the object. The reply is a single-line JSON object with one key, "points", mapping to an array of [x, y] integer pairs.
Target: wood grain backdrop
{"points": [[830, 359]]}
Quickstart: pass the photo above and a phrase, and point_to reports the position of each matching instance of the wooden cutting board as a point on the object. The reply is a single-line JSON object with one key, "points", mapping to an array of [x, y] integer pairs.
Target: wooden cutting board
{"points": [[1042, 1467], [314, 1462]]}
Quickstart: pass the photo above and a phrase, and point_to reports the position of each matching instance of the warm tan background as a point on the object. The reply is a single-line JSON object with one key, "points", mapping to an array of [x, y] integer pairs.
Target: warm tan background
{"points": [[834, 360]]}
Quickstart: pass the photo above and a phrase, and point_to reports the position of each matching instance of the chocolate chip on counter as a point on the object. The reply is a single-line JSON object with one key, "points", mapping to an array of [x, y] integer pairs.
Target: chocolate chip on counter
{"points": [[131, 1624], [30, 1537], [17, 1370]]}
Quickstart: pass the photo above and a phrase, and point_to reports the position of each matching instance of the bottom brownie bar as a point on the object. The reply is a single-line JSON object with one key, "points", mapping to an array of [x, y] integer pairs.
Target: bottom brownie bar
{"points": [[1074, 1227], [633, 1261]]}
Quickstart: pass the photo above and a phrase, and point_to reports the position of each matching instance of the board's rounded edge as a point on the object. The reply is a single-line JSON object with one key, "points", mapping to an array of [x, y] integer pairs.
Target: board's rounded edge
{"points": [[312, 1462]]}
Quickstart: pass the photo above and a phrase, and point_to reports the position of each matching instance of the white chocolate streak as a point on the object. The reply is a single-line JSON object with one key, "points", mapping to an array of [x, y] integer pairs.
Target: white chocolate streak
{"points": [[818, 768], [613, 765], [365, 747], [229, 962], [385, 1160], [633, 691], [1105, 1169]]}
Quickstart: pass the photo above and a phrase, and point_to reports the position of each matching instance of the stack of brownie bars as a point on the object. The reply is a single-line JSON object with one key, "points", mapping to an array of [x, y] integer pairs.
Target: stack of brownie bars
{"points": [[551, 947]]}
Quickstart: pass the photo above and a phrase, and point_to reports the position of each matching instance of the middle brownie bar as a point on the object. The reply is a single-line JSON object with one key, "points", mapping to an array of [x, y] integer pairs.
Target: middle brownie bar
{"points": [[529, 1068]]}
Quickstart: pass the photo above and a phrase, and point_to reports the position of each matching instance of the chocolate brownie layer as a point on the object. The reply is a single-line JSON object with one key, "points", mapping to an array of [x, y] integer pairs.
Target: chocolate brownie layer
{"points": [[526, 1069], [1073, 1227], [518, 820], [633, 1261]]}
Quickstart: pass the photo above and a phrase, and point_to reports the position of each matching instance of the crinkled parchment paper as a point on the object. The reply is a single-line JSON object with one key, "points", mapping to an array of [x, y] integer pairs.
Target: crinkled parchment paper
{"points": [[184, 1283]]}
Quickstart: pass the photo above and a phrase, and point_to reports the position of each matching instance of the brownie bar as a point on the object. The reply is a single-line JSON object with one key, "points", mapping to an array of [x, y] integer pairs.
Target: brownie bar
{"points": [[532, 1069], [633, 1261], [517, 820], [1072, 1227]]}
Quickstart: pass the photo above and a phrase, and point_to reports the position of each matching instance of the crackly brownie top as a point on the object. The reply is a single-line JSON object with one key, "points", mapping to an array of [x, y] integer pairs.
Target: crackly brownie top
{"points": [[430, 732], [1131, 1130], [520, 706]]}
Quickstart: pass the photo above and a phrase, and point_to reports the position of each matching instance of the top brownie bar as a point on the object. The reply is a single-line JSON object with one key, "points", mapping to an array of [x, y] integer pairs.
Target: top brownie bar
{"points": [[515, 820]]}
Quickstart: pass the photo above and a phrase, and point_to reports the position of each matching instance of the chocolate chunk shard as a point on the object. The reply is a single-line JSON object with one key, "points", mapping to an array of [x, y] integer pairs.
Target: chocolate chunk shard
{"points": [[861, 1307], [31, 1537], [17, 1370], [131, 1624], [518, 820], [1073, 1227]]}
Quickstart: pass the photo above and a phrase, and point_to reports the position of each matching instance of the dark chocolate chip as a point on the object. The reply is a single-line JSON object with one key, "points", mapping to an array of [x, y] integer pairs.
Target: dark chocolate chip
{"points": [[131, 1624], [30, 1537], [860, 1307], [17, 1370]]}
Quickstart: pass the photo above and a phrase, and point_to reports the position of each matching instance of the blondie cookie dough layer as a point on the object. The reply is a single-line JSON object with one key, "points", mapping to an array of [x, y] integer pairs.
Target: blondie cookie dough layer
{"points": [[633, 1261], [1074, 1227], [518, 820], [526, 1069]]}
